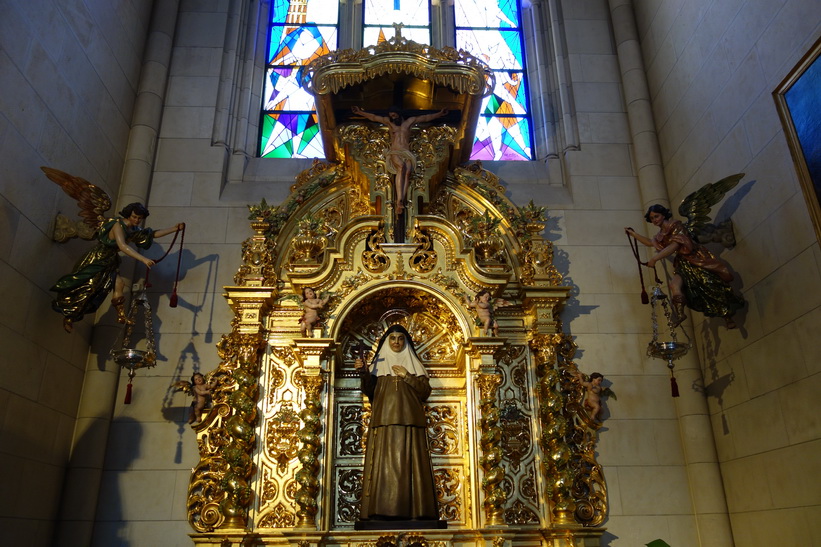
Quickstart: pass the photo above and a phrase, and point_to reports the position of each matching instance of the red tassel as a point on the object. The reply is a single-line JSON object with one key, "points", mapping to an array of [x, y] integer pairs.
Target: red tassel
{"points": [[173, 299], [128, 394], [674, 386]]}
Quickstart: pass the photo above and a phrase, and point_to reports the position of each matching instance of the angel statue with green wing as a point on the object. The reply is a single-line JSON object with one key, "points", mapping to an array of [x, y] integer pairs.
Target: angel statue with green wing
{"points": [[96, 273], [700, 280]]}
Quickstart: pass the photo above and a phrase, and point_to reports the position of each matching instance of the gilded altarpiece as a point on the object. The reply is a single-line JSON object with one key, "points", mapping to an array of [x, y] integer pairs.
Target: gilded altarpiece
{"points": [[282, 449]]}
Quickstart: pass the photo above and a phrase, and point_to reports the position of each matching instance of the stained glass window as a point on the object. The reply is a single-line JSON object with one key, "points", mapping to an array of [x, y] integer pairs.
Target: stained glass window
{"points": [[299, 32], [491, 30], [380, 15]]}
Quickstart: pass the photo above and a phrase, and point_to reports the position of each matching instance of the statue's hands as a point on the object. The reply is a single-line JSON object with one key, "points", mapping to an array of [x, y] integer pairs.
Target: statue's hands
{"points": [[147, 261], [356, 110], [399, 370], [652, 262], [359, 363], [629, 231]]}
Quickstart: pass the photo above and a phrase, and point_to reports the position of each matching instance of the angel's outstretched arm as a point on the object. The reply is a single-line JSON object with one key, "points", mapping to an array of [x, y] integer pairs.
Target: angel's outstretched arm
{"points": [[640, 238], [119, 237], [173, 229]]}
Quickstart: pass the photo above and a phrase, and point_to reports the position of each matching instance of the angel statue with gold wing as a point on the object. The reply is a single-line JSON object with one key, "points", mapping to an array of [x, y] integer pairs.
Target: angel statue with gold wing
{"points": [[96, 273], [700, 280]]}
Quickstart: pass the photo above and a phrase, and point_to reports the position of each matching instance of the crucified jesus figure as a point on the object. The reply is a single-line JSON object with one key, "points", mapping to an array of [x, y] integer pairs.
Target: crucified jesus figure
{"points": [[399, 159]]}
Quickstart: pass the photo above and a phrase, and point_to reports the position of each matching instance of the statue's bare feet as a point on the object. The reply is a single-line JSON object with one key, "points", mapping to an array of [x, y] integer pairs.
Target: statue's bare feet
{"points": [[68, 325], [400, 207], [728, 321]]}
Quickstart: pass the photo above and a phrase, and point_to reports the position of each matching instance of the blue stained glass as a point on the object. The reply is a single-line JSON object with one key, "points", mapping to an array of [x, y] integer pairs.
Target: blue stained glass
{"points": [[322, 12], [501, 49], [387, 12], [488, 14], [375, 35], [283, 92], [291, 46], [509, 95]]}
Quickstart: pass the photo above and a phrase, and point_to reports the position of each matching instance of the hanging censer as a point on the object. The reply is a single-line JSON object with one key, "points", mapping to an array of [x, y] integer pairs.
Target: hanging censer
{"points": [[132, 358], [672, 349]]}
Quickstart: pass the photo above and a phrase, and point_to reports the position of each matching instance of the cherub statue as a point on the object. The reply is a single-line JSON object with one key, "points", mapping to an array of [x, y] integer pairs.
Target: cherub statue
{"points": [[96, 273], [485, 306], [311, 305], [399, 159], [593, 392], [201, 391], [700, 280]]}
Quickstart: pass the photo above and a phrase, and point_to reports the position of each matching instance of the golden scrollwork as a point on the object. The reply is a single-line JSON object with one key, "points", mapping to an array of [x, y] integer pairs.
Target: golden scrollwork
{"points": [[281, 440], [443, 429], [374, 259], [516, 441], [279, 517], [449, 493], [423, 259]]}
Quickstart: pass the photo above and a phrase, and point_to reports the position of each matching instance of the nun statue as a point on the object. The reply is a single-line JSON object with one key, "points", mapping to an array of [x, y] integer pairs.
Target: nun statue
{"points": [[397, 481]]}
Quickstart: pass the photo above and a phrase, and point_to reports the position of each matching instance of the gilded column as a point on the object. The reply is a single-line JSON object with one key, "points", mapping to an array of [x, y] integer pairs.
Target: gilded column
{"points": [[557, 452], [311, 352], [488, 381]]}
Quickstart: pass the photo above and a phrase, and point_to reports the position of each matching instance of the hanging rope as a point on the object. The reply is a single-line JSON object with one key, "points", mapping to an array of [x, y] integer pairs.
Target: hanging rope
{"points": [[634, 246], [173, 299]]}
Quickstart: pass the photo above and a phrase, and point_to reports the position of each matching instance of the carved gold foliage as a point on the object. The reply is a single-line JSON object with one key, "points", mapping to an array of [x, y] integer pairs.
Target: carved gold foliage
{"points": [[374, 259], [443, 429], [219, 493], [448, 484], [423, 259], [280, 517], [516, 439], [270, 487], [519, 513], [281, 440]]}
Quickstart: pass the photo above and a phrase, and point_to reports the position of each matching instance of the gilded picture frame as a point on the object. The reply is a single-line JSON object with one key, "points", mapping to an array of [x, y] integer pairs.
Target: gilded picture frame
{"points": [[798, 101]]}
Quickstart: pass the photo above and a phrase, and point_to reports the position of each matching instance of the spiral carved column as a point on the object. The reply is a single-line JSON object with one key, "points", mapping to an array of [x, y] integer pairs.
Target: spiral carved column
{"points": [[490, 442], [308, 455]]}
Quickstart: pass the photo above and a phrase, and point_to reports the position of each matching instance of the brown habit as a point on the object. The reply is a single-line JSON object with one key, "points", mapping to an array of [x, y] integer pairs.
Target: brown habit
{"points": [[397, 482]]}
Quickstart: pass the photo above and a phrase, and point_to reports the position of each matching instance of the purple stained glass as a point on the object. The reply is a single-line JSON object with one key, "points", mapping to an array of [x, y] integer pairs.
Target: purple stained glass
{"points": [[502, 139]]}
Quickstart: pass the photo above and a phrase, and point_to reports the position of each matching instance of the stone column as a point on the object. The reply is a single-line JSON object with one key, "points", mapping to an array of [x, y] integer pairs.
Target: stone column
{"points": [[78, 507], [700, 457]]}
